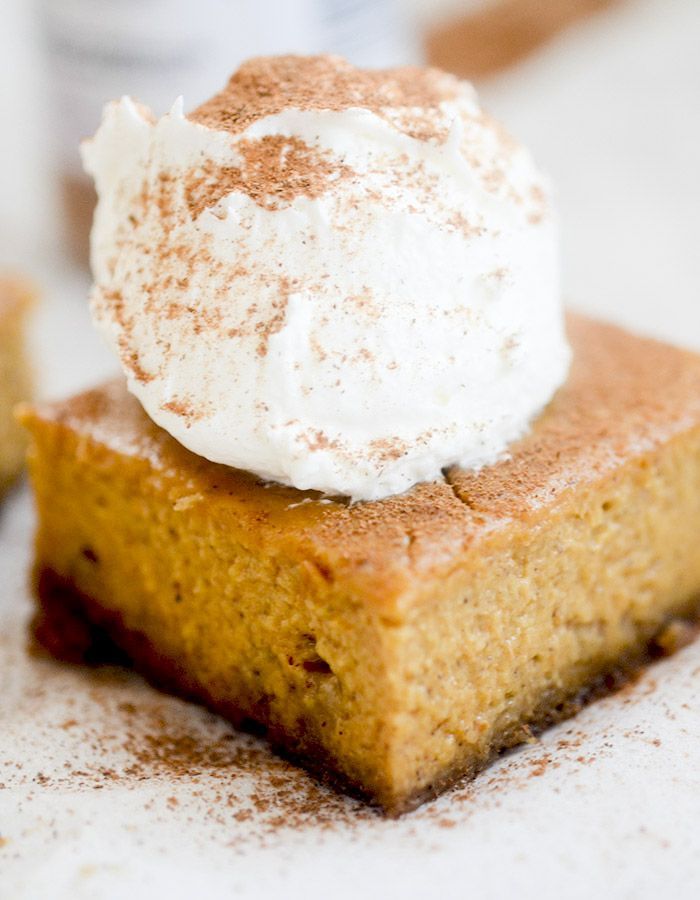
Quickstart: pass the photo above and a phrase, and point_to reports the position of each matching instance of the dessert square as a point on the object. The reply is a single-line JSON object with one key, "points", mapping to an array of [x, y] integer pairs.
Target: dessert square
{"points": [[391, 646], [15, 298]]}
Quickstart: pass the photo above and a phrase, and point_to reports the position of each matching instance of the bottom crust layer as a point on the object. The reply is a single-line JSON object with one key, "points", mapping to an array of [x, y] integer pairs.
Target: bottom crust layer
{"points": [[74, 628]]}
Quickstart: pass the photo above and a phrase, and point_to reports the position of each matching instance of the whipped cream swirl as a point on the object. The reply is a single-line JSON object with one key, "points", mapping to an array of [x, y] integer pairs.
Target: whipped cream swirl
{"points": [[336, 279]]}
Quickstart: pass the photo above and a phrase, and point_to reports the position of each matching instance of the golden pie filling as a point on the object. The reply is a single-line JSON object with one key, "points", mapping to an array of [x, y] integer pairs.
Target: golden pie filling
{"points": [[391, 646]]}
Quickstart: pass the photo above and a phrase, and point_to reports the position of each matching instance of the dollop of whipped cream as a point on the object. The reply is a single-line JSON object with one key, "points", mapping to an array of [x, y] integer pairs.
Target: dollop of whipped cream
{"points": [[337, 279]]}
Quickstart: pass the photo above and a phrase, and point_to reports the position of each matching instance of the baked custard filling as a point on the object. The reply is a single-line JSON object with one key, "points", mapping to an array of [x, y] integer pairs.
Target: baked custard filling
{"points": [[397, 645]]}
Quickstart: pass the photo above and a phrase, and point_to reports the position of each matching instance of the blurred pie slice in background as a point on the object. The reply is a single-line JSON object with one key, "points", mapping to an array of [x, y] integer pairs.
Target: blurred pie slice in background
{"points": [[497, 34], [16, 297]]}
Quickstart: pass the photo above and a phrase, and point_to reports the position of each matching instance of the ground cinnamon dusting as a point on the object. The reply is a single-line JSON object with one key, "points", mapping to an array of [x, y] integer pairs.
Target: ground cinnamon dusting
{"points": [[234, 776], [622, 392], [275, 171], [388, 449], [185, 409], [139, 741], [113, 301], [267, 86]]}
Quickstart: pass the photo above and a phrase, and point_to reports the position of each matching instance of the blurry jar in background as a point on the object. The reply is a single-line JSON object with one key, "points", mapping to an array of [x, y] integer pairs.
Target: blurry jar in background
{"points": [[98, 50]]}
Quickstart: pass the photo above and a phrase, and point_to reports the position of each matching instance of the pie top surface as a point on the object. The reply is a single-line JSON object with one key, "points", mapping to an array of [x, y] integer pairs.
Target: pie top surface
{"points": [[625, 396]]}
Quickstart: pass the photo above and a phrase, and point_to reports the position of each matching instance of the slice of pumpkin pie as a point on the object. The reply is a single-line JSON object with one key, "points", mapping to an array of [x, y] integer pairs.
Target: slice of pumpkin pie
{"points": [[396, 645]]}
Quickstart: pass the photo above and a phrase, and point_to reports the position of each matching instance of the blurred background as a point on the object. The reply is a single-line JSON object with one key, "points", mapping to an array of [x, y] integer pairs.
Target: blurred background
{"points": [[605, 92]]}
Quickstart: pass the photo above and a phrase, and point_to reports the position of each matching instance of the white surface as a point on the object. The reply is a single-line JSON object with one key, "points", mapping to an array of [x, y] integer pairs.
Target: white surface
{"points": [[612, 112], [614, 117]]}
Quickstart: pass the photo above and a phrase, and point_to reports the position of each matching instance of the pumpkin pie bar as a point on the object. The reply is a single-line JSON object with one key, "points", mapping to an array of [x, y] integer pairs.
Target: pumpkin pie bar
{"points": [[15, 298], [397, 645]]}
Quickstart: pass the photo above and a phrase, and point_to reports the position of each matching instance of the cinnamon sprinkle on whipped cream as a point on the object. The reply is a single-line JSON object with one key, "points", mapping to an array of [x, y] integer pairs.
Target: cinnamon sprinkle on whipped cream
{"points": [[338, 279]]}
